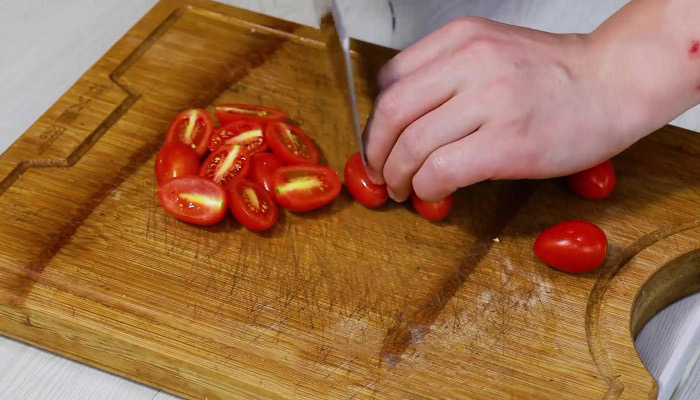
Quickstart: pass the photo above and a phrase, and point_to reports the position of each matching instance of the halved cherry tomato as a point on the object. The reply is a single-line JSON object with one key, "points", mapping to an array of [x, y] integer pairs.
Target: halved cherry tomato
{"points": [[303, 188], [291, 144], [262, 167], [227, 113], [252, 205], [193, 128], [225, 164], [193, 199], [248, 134], [574, 246], [175, 159], [594, 183], [432, 211], [359, 185]]}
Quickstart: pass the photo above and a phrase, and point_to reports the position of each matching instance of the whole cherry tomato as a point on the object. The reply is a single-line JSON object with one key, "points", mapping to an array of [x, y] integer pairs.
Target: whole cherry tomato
{"points": [[262, 167], [574, 246], [356, 180], [432, 211], [595, 183], [175, 159]]}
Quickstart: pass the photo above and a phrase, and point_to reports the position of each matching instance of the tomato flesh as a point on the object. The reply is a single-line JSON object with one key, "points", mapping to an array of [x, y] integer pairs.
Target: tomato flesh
{"points": [[225, 164], [192, 127], [227, 113], [248, 134], [193, 199], [262, 167], [594, 183], [175, 159], [302, 188], [435, 211], [573, 246], [291, 144], [360, 186], [252, 205]]}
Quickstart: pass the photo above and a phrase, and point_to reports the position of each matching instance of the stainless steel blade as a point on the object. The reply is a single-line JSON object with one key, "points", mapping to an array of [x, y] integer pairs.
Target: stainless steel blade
{"points": [[338, 45]]}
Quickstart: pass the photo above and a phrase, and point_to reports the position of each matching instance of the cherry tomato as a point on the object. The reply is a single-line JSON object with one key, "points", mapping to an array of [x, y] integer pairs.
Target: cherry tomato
{"points": [[432, 211], [227, 113], [359, 185], [262, 166], [595, 183], [175, 159], [574, 246], [252, 205], [291, 144], [193, 128], [248, 134], [303, 188], [225, 164], [193, 199]]}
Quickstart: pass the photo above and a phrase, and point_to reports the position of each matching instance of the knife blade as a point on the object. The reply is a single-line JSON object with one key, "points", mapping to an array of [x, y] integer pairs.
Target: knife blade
{"points": [[337, 43]]}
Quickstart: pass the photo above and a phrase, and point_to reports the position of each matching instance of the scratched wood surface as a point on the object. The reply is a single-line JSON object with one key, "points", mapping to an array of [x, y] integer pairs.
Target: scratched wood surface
{"points": [[340, 303]]}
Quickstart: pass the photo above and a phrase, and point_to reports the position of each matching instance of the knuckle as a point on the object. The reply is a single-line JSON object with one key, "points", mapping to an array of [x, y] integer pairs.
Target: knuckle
{"points": [[464, 25], [443, 173], [481, 47], [389, 105], [413, 142]]}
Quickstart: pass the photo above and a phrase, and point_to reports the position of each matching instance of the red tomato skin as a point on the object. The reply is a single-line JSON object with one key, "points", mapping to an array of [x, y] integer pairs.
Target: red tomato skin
{"points": [[199, 147], [298, 201], [173, 160], [274, 141], [169, 193], [433, 212], [360, 186], [225, 135], [273, 115], [262, 167], [573, 246], [208, 169], [249, 218], [595, 183]]}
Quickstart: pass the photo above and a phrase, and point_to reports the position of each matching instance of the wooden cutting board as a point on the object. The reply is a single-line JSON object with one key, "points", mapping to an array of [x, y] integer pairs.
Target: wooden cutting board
{"points": [[343, 302]]}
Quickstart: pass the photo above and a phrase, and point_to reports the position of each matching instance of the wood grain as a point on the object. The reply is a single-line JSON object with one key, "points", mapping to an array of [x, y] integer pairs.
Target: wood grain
{"points": [[340, 303]]}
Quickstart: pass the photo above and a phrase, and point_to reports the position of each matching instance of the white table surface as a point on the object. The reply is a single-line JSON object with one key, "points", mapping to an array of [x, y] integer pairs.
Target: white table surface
{"points": [[47, 45]]}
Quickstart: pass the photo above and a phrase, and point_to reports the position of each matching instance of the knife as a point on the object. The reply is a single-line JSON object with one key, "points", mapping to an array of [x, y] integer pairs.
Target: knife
{"points": [[338, 46]]}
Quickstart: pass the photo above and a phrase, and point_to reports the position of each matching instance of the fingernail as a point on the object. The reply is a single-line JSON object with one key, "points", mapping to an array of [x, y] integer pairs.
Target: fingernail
{"points": [[376, 178], [391, 194]]}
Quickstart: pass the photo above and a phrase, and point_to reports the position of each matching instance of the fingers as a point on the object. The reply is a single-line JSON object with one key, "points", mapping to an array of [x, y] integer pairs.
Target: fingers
{"points": [[475, 158], [402, 103], [440, 42], [449, 123]]}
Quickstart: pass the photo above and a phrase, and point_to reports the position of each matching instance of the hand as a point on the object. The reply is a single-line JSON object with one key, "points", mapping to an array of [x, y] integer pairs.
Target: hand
{"points": [[479, 100]]}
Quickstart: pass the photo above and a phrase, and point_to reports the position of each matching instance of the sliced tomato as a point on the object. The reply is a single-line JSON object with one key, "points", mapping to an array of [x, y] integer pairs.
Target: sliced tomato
{"points": [[435, 211], [225, 164], [175, 159], [248, 134], [252, 205], [192, 127], [227, 113], [262, 167], [302, 188], [193, 199], [360, 186], [595, 183], [291, 144]]}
